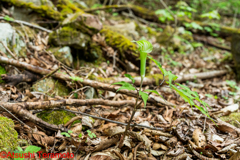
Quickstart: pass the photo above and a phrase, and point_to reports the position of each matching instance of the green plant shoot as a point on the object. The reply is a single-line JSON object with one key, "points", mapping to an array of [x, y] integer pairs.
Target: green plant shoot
{"points": [[144, 47]]}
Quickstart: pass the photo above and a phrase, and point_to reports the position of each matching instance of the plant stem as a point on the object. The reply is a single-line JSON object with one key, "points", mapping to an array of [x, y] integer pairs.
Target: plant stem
{"points": [[133, 113]]}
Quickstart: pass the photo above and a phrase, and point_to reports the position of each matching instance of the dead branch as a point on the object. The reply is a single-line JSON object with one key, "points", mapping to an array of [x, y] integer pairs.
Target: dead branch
{"points": [[71, 102], [19, 111], [28, 24], [209, 41], [25, 77], [98, 85], [186, 77]]}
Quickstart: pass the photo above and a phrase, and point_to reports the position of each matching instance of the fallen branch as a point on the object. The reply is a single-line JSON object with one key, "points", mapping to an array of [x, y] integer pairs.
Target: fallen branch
{"points": [[29, 24], [186, 77], [19, 111], [210, 41], [98, 85], [71, 102]]}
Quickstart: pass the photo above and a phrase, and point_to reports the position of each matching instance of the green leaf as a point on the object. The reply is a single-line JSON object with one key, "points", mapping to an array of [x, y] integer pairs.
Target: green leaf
{"points": [[171, 77], [7, 18], [94, 135], [77, 79], [90, 135], [89, 131], [159, 65], [69, 131], [32, 149], [154, 91], [19, 148], [125, 85], [211, 15], [130, 77], [144, 97], [80, 135], [209, 95], [65, 134]]}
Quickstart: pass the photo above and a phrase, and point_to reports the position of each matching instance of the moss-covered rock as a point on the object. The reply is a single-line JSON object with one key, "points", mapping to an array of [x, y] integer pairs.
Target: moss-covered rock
{"points": [[68, 36], [127, 29], [232, 118], [12, 40], [51, 87], [56, 117], [8, 136], [126, 48], [84, 22], [43, 10]]}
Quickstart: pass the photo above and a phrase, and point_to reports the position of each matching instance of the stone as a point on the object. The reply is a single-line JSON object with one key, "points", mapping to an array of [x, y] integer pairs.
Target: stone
{"points": [[12, 40], [51, 87], [63, 55], [84, 22], [68, 36]]}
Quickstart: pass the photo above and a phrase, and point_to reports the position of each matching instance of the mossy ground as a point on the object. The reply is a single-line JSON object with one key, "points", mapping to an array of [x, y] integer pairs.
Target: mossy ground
{"points": [[8, 136], [232, 118], [56, 117]]}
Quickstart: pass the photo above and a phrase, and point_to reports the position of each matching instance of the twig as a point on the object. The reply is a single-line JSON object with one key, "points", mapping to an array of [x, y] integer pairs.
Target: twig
{"points": [[51, 73], [108, 120], [15, 116], [90, 73], [8, 50], [28, 24]]}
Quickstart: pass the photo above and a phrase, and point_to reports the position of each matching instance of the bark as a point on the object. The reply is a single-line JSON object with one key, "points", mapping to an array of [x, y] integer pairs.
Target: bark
{"points": [[98, 85]]}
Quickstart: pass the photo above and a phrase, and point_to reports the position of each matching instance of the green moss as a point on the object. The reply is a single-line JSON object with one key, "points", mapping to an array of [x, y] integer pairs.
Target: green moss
{"points": [[68, 36], [126, 48], [8, 136], [43, 10], [56, 117], [51, 87], [2, 71], [67, 7], [232, 118]]}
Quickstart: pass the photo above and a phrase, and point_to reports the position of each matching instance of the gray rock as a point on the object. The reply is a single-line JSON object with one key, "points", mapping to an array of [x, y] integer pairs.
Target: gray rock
{"points": [[90, 93], [51, 87], [63, 55], [12, 40]]}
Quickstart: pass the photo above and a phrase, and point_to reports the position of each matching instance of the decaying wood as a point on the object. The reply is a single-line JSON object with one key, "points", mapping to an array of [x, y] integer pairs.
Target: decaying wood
{"points": [[98, 85]]}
